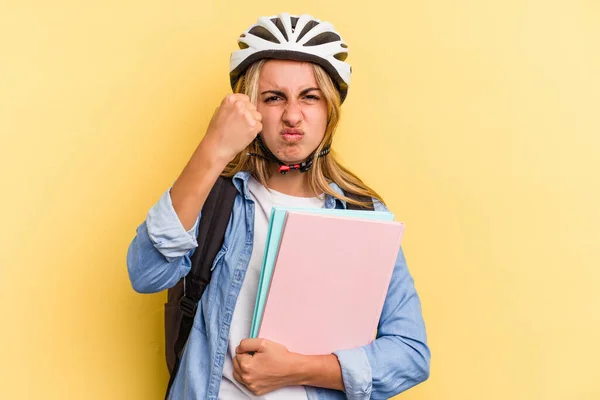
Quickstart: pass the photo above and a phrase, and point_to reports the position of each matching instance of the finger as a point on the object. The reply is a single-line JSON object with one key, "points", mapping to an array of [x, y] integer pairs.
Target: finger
{"points": [[240, 349], [243, 362], [233, 97], [242, 96], [239, 105], [257, 128], [238, 378], [250, 118], [236, 365], [257, 116], [248, 345], [250, 106], [246, 363], [243, 111]]}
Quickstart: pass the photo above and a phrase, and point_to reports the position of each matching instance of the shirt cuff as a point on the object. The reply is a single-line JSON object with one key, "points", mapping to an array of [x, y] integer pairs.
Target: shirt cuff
{"points": [[356, 373], [167, 232]]}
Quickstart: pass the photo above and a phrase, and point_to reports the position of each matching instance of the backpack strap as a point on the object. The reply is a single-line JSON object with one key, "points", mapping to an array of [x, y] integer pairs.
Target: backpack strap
{"points": [[365, 199], [214, 219]]}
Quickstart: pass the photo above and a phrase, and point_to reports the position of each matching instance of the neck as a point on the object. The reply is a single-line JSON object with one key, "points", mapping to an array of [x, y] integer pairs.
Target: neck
{"points": [[294, 183]]}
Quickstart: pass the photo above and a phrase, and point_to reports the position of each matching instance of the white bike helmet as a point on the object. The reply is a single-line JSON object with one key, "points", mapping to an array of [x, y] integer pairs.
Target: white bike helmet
{"points": [[293, 37]]}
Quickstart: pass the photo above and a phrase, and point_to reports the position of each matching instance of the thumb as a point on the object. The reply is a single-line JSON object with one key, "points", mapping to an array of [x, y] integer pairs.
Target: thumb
{"points": [[248, 346]]}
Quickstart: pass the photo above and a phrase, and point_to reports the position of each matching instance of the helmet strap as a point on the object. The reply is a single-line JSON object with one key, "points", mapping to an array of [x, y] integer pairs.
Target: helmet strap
{"points": [[283, 167]]}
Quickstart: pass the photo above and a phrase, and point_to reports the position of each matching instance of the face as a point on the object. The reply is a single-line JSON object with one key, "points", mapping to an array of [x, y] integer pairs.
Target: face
{"points": [[293, 108]]}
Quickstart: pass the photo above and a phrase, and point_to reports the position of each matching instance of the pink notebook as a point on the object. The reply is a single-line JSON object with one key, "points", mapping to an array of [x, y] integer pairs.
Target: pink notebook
{"points": [[330, 281]]}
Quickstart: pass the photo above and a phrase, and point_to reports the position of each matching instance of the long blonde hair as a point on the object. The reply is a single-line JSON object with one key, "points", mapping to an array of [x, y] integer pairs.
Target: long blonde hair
{"points": [[325, 169]]}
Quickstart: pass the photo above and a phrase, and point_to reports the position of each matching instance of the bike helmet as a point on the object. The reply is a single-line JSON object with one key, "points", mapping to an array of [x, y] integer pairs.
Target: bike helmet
{"points": [[293, 37]]}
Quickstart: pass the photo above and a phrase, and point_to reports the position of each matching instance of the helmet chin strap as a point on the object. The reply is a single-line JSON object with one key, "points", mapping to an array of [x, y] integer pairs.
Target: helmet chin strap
{"points": [[283, 167]]}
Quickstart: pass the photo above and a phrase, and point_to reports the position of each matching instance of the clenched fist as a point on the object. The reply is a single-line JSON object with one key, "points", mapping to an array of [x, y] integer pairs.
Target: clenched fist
{"points": [[233, 126]]}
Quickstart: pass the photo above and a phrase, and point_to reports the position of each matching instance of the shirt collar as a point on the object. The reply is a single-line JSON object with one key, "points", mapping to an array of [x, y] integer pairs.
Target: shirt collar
{"points": [[240, 181]]}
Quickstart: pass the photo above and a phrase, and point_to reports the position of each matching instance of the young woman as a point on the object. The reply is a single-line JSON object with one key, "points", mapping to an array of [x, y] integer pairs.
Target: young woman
{"points": [[289, 79]]}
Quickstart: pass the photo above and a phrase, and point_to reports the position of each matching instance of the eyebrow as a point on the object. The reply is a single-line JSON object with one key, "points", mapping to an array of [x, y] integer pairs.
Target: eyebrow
{"points": [[281, 94]]}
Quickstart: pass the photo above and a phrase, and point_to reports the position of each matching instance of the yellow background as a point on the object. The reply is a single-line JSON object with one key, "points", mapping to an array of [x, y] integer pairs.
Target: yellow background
{"points": [[477, 120]]}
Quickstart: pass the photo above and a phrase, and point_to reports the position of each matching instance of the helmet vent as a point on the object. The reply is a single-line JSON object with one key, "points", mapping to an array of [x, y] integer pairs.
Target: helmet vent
{"points": [[279, 26], [341, 56], [307, 28], [322, 38], [294, 22], [263, 33]]}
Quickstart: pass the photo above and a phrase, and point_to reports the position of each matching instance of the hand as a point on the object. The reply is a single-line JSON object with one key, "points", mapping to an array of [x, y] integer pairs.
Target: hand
{"points": [[233, 126], [271, 367]]}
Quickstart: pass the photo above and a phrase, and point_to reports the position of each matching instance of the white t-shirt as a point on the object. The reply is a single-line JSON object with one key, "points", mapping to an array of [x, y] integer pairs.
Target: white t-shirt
{"points": [[241, 321]]}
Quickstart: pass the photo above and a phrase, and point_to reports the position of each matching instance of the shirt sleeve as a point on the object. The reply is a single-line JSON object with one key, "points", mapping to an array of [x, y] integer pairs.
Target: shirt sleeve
{"points": [[167, 232], [399, 357], [160, 253]]}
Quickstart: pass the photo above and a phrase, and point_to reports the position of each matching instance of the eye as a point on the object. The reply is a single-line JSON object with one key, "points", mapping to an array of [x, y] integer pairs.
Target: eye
{"points": [[312, 97], [272, 99]]}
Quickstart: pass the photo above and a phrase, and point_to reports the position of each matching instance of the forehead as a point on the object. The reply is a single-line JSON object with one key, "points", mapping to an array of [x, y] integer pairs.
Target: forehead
{"points": [[287, 74]]}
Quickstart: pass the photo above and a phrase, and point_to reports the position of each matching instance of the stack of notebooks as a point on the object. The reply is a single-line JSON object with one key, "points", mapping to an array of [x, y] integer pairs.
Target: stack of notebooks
{"points": [[325, 277]]}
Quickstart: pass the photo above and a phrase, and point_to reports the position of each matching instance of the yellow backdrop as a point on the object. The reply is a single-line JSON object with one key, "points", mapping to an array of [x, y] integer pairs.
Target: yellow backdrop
{"points": [[477, 120]]}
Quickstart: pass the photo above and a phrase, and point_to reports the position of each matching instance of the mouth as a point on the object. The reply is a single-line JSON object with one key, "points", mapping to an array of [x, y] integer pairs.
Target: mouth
{"points": [[292, 135]]}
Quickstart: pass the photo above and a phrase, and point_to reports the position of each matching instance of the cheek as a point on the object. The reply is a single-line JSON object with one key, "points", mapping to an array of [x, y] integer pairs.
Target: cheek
{"points": [[270, 116], [319, 119]]}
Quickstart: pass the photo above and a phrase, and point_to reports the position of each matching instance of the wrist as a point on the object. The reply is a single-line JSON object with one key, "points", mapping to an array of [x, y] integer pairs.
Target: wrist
{"points": [[211, 156], [301, 367], [317, 370]]}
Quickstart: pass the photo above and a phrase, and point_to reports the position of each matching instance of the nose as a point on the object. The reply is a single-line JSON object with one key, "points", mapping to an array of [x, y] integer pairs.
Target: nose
{"points": [[292, 115]]}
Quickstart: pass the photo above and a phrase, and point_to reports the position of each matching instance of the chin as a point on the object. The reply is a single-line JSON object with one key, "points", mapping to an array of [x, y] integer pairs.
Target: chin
{"points": [[297, 158]]}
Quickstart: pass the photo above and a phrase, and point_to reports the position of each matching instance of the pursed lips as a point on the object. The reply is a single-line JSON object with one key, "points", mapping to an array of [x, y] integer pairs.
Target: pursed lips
{"points": [[292, 135]]}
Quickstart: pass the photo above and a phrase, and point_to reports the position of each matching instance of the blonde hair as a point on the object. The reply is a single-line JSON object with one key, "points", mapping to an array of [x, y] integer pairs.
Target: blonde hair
{"points": [[325, 169]]}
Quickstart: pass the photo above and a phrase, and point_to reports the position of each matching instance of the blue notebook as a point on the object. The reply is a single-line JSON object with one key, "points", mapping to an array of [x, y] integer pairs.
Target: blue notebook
{"points": [[274, 233]]}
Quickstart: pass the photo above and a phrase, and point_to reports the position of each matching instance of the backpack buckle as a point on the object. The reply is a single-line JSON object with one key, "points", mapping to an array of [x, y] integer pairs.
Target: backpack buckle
{"points": [[188, 306]]}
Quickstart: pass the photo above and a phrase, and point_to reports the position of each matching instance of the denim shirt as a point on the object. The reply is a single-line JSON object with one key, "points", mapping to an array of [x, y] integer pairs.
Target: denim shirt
{"points": [[159, 256]]}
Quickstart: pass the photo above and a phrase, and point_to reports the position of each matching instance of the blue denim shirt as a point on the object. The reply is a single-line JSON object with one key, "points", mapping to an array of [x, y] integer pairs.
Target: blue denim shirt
{"points": [[160, 254]]}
